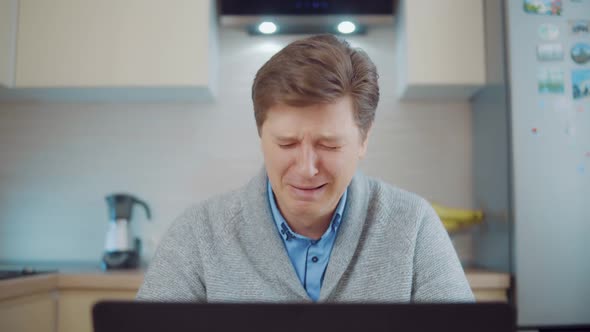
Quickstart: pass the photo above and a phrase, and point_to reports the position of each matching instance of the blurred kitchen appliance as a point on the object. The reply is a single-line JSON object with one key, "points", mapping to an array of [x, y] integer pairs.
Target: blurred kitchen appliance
{"points": [[122, 249]]}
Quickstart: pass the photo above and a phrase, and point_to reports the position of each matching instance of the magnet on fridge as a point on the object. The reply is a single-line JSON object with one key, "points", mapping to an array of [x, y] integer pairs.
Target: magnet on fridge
{"points": [[581, 168], [587, 154], [549, 52], [550, 81], [543, 7], [579, 27], [581, 83], [535, 131], [548, 31], [580, 53]]}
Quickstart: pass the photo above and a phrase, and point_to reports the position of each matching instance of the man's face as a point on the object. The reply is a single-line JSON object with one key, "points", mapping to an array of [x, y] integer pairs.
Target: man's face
{"points": [[311, 154]]}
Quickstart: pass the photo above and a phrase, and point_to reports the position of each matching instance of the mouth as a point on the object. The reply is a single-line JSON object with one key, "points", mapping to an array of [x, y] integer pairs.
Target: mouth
{"points": [[308, 187], [307, 193]]}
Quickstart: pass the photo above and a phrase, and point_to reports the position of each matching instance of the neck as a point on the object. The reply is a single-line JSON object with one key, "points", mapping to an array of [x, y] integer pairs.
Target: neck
{"points": [[312, 228]]}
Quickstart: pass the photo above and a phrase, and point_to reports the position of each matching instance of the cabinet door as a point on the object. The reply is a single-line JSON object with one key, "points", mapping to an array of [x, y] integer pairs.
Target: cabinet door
{"points": [[440, 49], [75, 307], [29, 313], [490, 295], [111, 43]]}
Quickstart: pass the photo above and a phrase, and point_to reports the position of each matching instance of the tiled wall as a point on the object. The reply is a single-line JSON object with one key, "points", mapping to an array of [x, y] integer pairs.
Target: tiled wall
{"points": [[58, 161]]}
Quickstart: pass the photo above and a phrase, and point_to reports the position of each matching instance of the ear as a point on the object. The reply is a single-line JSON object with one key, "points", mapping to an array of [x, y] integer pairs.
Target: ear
{"points": [[364, 144]]}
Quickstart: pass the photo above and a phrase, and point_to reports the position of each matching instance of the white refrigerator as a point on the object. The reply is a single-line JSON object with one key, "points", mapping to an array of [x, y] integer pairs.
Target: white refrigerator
{"points": [[532, 157]]}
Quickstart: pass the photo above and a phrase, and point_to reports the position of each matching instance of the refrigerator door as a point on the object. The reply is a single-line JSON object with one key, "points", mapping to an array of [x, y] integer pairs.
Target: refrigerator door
{"points": [[550, 133]]}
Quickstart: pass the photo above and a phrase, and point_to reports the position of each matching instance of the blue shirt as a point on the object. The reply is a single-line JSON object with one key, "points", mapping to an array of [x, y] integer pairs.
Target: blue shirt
{"points": [[309, 257]]}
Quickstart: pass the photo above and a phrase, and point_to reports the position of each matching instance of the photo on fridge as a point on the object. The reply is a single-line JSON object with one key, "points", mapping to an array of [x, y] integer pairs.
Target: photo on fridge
{"points": [[581, 83]]}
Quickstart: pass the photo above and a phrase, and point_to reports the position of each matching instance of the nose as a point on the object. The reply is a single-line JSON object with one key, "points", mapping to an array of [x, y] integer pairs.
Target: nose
{"points": [[307, 160]]}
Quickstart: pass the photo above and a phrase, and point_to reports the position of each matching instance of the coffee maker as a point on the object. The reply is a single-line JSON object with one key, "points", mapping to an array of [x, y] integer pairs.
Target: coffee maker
{"points": [[122, 250]]}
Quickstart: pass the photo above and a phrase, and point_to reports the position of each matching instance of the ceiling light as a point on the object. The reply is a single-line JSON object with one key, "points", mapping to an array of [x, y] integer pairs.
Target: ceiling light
{"points": [[267, 28], [346, 27]]}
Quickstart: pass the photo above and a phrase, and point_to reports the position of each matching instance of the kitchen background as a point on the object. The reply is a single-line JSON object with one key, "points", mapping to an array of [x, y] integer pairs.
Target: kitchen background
{"points": [[59, 160], [478, 111]]}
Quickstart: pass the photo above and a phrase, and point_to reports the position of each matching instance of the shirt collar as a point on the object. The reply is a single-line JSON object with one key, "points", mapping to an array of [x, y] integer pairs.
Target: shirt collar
{"points": [[286, 232]]}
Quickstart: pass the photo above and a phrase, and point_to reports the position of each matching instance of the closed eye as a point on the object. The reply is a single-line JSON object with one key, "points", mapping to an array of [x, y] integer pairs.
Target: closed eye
{"points": [[331, 148], [287, 146]]}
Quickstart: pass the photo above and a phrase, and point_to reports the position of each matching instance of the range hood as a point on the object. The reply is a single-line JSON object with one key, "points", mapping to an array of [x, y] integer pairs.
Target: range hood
{"points": [[307, 7], [306, 16]]}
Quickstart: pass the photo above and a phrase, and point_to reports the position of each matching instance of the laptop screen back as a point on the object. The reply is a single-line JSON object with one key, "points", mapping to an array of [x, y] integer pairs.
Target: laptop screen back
{"points": [[151, 317]]}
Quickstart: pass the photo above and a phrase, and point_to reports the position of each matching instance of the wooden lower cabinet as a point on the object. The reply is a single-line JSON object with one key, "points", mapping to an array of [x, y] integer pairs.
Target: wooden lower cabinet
{"points": [[31, 313], [75, 307], [70, 309], [490, 295]]}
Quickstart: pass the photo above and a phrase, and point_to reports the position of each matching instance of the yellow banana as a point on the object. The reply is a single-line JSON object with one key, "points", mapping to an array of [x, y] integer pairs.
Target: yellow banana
{"points": [[457, 214], [454, 219]]}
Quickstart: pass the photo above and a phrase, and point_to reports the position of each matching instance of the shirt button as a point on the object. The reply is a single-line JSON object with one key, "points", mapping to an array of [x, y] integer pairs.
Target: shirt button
{"points": [[314, 259]]}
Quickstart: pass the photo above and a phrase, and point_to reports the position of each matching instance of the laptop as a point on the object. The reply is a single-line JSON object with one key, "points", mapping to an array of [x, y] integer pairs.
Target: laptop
{"points": [[112, 316]]}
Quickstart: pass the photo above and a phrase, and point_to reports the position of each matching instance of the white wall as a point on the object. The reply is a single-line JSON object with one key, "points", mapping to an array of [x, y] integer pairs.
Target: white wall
{"points": [[58, 161], [8, 10]]}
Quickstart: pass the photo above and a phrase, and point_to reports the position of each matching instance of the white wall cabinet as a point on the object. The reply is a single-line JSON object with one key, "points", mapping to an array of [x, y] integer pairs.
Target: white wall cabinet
{"points": [[440, 49], [110, 49]]}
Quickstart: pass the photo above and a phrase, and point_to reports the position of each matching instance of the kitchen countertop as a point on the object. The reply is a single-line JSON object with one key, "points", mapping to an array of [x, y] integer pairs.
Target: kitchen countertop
{"points": [[92, 278]]}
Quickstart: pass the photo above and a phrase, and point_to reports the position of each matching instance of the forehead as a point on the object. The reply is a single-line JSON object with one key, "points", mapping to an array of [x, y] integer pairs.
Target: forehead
{"points": [[331, 119]]}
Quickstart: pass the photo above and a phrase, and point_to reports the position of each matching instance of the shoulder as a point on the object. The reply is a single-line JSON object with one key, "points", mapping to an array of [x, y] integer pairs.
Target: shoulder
{"points": [[212, 213], [394, 208], [222, 212], [390, 199], [386, 191]]}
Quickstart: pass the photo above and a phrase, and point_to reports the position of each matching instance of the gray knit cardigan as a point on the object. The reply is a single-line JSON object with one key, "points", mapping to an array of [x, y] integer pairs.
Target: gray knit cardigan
{"points": [[391, 247]]}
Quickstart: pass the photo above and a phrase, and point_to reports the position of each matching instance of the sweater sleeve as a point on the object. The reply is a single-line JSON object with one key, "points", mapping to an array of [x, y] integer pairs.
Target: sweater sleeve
{"points": [[438, 274], [175, 272]]}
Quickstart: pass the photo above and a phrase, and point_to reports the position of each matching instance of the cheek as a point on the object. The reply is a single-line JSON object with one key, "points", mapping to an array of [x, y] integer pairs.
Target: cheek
{"points": [[276, 160], [338, 163]]}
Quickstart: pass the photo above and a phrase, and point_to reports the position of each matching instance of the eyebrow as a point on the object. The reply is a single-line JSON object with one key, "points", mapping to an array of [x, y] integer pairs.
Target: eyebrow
{"points": [[329, 138], [284, 138]]}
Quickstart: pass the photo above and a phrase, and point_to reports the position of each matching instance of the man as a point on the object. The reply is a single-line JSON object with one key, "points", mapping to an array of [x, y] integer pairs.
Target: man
{"points": [[309, 227]]}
